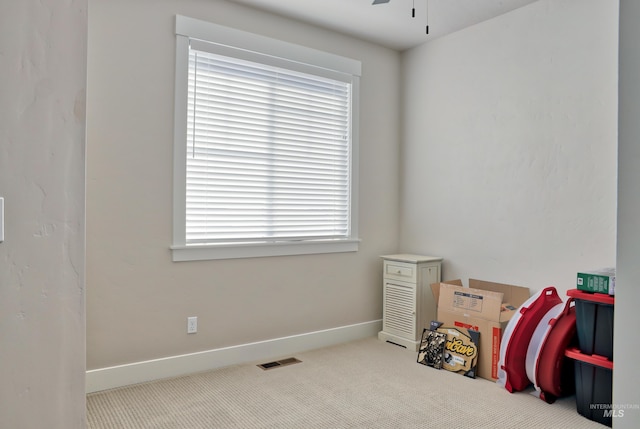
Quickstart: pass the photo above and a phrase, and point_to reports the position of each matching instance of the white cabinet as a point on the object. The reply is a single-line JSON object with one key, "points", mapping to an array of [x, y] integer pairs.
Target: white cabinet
{"points": [[408, 303]]}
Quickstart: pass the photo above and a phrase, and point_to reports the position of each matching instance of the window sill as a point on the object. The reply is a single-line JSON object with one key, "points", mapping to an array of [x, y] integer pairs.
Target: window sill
{"points": [[256, 250]]}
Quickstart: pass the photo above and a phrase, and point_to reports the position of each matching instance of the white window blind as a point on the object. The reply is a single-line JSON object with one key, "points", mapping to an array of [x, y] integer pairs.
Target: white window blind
{"points": [[268, 153]]}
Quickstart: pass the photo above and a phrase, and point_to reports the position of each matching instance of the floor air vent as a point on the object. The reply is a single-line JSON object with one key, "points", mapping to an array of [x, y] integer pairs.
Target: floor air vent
{"points": [[279, 363], [396, 344]]}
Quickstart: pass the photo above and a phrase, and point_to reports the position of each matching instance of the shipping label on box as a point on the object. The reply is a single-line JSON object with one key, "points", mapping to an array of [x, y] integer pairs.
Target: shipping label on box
{"points": [[468, 301], [598, 281]]}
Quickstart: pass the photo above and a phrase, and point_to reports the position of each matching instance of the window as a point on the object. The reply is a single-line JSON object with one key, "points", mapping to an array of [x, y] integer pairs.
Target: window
{"points": [[265, 146]]}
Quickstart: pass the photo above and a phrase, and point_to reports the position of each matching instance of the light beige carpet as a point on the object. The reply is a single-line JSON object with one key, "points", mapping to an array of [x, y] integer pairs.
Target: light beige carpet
{"points": [[364, 384]]}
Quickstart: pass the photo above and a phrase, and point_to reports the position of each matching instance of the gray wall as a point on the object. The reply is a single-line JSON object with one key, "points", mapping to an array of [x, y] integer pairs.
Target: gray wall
{"points": [[42, 267], [627, 316], [510, 145], [137, 299], [42, 81]]}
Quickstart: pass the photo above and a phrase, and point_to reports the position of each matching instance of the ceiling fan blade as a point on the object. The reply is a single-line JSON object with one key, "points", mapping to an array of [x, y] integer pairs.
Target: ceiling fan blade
{"points": [[380, 1]]}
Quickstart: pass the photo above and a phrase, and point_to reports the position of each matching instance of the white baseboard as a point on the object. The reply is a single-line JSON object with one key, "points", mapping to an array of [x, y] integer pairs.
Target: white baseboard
{"points": [[139, 372]]}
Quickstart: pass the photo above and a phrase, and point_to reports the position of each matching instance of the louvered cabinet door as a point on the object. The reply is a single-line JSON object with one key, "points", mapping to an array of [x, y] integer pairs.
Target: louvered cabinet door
{"points": [[399, 309]]}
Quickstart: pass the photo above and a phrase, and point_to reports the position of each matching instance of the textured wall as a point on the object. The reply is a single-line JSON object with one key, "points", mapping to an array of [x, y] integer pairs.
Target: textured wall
{"points": [[42, 130], [627, 316], [509, 157], [137, 299]]}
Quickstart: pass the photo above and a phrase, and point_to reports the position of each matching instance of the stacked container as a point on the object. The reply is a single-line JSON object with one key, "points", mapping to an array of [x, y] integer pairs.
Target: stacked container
{"points": [[594, 356]]}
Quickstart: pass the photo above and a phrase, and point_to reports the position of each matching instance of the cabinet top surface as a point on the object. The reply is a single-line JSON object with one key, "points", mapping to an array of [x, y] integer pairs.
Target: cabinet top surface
{"points": [[408, 257]]}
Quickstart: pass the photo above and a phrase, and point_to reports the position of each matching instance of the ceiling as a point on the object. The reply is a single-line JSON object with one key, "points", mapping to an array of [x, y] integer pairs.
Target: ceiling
{"points": [[390, 24]]}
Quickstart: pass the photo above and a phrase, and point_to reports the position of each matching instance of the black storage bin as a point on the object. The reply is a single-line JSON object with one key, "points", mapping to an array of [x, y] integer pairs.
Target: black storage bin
{"points": [[594, 322], [594, 384]]}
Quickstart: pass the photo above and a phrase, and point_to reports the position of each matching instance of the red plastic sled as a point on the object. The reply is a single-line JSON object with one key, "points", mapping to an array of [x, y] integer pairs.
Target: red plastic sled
{"points": [[553, 374], [512, 372]]}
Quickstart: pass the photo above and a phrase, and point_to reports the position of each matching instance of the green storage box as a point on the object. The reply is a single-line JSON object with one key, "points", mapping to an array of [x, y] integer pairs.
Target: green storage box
{"points": [[598, 281]]}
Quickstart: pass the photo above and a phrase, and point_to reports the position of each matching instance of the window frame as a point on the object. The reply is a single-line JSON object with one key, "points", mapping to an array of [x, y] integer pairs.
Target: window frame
{"points": [[266, 49]]}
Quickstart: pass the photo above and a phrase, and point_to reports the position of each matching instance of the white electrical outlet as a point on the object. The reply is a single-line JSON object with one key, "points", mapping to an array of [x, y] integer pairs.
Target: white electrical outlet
{"points": [[192, 325]]}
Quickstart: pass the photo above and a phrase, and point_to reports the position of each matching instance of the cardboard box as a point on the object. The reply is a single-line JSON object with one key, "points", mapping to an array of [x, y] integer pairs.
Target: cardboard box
{"points": [[600, 281], [485, 307]]}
